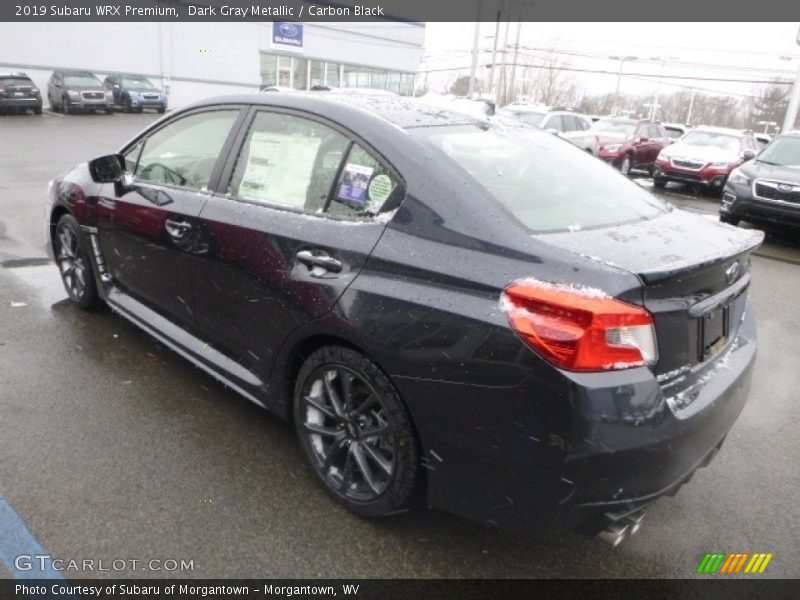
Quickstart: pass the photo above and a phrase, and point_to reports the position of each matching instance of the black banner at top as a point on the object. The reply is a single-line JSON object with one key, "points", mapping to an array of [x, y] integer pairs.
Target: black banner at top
{"points": [[399, 10]]}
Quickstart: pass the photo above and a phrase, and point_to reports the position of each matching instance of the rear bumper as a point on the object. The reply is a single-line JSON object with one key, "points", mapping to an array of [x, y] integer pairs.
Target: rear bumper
{"points": [[20, 102], [540, 457], [738, 202]]}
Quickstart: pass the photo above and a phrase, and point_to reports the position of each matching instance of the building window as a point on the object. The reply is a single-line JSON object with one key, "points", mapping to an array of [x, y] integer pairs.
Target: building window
{"points": [[302, 73]]}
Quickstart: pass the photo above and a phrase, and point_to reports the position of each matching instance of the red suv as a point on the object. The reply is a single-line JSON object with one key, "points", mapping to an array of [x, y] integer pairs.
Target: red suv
{"points": [[629, 143], [704, 157]]}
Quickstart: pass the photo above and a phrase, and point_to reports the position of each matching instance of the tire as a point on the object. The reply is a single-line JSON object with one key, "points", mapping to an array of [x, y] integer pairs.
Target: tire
{"points": [[161, 111], [659, 182], [126, 104], [109, 111], [37, 110], [65, 105], [74, 263], [626, 165], [341, 395]]}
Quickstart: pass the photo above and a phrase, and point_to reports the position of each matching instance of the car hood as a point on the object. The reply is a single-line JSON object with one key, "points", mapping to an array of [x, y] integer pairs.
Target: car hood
{"points": [[755, 169], [699, 153], [661, 247], [144, 90], [85, 88]]}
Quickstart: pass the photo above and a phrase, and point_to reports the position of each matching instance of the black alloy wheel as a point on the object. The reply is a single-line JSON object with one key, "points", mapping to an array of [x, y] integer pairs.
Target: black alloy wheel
{"points": [[74, 263], [355, 432]]}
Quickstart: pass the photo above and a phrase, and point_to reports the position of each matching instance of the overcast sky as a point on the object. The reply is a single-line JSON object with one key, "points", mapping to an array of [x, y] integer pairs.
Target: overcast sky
{"points": [[703, 50]]}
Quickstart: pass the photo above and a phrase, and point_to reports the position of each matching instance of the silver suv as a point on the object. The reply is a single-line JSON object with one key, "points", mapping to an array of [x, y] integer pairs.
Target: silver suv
{"points": [[566, 123], [73, 91]]}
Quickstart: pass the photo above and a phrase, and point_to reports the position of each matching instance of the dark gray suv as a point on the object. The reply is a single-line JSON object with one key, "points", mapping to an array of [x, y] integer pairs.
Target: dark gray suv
{"points": [[73, 91]]}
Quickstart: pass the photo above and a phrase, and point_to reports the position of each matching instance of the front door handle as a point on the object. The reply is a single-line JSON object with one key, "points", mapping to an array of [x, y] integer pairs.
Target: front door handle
{"points": [[177, 229], [321, 260]]}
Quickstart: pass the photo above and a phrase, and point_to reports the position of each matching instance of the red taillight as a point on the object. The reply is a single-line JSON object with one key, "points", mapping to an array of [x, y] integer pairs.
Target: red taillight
{"points": [[580, 329]]}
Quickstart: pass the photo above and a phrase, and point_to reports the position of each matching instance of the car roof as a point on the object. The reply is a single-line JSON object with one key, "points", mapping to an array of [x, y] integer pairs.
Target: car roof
{"points": [[723, 130], [401, 111], [15, 75]]}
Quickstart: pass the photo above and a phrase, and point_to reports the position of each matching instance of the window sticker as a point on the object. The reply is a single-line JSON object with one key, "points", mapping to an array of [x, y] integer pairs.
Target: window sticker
{"points": [[380, 188], [355, 180], [279, 167]]}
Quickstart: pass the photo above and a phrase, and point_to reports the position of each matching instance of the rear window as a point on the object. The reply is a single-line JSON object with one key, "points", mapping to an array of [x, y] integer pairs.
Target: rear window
{"points": [[547, 184], [15, 81]]}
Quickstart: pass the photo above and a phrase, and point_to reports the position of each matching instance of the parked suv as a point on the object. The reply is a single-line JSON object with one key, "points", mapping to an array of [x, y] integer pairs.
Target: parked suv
{"points": [[566, 123], [134, 93], [704, 157], [629, 143], [18, 93], [767, 189], [73, 91]]}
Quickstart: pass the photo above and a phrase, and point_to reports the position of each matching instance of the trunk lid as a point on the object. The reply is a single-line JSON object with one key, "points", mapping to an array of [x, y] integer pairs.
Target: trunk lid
{"points": [[695, 275]]}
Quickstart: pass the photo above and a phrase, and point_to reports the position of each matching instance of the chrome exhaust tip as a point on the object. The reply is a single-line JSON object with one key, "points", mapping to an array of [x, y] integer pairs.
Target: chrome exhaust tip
{"points": [[614, 534], [634, 522]]}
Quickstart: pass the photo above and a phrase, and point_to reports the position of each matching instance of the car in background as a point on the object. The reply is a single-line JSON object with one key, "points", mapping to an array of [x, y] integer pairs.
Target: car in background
{"points": [[674, 131], [134, 93], [704, 157], [767, 189], [385, 275], [629, 144], [569, 124], [72, 91], [18, 93], [762, 140]]}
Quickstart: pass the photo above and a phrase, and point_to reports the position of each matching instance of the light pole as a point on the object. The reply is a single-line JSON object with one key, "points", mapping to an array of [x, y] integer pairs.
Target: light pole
{"points": [[475, 51], [654, 105], [794, 99], [621, 60], [691, 106]]}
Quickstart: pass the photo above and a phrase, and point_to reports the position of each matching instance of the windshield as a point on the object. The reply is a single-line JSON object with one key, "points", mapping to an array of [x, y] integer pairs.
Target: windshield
{"points": [[618, 129], [712, 139], [783, 151], [528, 116], [137, 82], [673, 133], [533, 175], [81, 80]]}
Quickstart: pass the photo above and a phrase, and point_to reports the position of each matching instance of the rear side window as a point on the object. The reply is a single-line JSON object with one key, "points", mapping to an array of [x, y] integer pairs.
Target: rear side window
{"points": [[532, 175], [184, 152], [363, 187]]}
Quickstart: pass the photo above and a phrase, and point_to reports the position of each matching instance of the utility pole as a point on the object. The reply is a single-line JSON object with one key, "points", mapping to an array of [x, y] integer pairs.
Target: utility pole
{"points": [[501, 97], [655, 105], [691, 106], [494, 49], [621, 60], [794, 100], [516, 52], [475, 52]]}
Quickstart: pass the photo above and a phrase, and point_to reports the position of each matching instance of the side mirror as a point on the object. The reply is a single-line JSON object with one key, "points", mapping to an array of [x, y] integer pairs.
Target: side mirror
{"points": [[107, 169], [123, 185], [116, 86], [644, 138], [748, 155], [553, 131]]}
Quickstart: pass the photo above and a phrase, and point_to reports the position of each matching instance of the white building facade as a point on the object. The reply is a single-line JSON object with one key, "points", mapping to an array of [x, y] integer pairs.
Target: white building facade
{"points": [[194, 60]]}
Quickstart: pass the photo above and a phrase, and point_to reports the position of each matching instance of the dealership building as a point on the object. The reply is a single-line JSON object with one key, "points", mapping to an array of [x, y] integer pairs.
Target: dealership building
{"points": [[194, 60]]}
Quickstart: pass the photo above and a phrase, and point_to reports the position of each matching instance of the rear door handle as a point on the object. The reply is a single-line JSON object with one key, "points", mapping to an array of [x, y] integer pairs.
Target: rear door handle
{"points": [[177, 229], [321, 260]]}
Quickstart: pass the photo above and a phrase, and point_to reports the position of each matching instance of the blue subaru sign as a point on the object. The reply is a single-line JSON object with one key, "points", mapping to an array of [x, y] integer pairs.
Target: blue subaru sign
{"points": [[287, 34]]}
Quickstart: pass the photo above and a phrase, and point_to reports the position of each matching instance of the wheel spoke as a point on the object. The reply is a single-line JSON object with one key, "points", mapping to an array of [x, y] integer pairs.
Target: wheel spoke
{"points": [[347, 389], [381, 430], [368, 401], [378, 459], [315, 402], [322, 430], [334, 449], [347, 473], [333, 397], [363, 466]]}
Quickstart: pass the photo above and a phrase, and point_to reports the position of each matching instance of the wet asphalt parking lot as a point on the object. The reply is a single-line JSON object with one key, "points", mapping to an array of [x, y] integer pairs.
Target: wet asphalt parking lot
{"points": [[113, 447]]}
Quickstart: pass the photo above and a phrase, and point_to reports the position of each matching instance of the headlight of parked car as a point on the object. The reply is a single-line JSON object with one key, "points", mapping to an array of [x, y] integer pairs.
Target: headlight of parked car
{"points": [[612, 147], [738, 177], [109, 95], [73, 94]]}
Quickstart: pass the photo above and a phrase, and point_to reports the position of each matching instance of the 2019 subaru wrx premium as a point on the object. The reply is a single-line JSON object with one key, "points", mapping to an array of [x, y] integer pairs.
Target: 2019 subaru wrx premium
{"points": [[437, 303]]}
